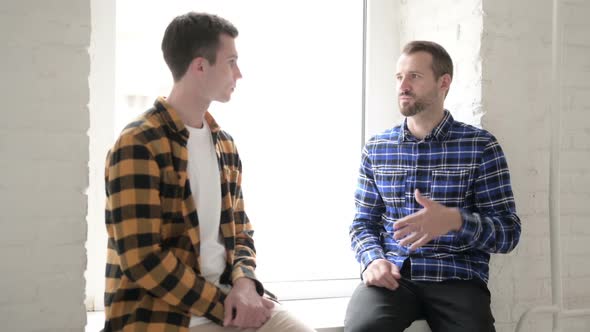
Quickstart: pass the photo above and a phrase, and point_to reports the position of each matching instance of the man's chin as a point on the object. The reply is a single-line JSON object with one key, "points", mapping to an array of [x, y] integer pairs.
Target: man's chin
{"points": [[409, 111], [223, 99]]}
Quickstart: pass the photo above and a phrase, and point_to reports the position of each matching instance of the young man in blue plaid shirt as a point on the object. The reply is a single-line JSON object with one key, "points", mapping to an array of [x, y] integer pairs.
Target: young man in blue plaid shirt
{"points": [[433, 201]]}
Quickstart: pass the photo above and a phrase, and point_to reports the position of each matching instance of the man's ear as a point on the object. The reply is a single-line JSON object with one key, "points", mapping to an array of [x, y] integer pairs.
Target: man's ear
{"points": [[445, 82], [197, 65]]}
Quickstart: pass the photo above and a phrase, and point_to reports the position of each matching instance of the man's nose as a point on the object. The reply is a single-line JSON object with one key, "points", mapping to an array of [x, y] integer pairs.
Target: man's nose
{"points": [[404, 85], [238, 73]]}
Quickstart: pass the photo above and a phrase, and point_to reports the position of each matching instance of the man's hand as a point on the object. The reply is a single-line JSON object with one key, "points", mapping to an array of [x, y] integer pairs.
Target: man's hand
{"points": [[432, 221], [382, 273], [244, 308]]}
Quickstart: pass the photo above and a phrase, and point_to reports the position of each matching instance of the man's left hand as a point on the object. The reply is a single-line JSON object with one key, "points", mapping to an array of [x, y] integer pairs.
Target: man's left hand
{"points": [[432, 221]]}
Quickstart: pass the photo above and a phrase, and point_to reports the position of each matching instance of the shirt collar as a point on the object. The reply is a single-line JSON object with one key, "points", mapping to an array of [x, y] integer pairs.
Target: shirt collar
{"points": [[171, 118], [439, 133]]}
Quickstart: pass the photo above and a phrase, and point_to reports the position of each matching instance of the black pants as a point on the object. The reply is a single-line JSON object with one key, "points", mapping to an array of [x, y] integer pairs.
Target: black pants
{"points": [[448, 306]]}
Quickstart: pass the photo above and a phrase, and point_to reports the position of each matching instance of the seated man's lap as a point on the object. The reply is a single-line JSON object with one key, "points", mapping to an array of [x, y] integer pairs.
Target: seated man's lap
{"points": [[380, 309], [454, 305], [457, 305], [281, 320]]}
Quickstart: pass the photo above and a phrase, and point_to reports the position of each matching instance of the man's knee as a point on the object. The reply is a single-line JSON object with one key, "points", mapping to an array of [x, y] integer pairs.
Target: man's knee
{"points": [[380, 309], [283, 320]]}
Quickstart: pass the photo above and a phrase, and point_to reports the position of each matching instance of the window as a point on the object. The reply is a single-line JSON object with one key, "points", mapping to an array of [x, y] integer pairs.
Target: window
{"points": [[297, 118]]}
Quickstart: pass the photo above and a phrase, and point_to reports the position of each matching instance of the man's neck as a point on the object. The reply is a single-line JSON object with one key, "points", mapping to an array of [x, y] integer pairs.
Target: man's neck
{"points": [[189, 106], [424, 122]]}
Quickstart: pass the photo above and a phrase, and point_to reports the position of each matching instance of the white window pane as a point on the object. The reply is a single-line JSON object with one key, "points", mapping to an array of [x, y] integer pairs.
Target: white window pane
{"points": [[295, 116]]}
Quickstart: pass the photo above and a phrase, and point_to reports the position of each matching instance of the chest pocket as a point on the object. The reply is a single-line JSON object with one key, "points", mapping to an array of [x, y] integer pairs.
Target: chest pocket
{"points": [[449, 187], [391, 184]]}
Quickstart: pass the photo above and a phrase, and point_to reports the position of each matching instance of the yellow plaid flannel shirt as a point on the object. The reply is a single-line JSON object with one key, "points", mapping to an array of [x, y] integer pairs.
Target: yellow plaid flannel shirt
{"points": [[153, 257]]}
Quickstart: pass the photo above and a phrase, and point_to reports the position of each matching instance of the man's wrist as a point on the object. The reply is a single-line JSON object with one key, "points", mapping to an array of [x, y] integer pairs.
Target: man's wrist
{"points": [[244, 282], [457, 219]]}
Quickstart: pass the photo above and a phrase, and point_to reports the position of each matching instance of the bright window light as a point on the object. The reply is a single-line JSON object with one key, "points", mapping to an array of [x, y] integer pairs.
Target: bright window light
{"points": [[296, 117]]}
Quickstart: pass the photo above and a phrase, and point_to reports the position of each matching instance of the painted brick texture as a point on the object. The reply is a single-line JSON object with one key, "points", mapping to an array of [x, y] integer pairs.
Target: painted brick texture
{"points": [[44, 148]]}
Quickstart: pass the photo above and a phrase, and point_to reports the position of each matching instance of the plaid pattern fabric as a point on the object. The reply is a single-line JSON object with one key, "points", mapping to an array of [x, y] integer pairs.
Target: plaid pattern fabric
{"points": [[152, 272], [456, 165]]}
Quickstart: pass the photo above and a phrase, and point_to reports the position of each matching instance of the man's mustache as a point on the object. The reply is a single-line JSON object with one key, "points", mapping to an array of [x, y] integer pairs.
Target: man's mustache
{"points": [[407, 93]]}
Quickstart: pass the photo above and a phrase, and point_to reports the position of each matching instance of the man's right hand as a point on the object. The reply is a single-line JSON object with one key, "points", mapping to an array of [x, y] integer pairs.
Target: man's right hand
{"points": [[382, 273], [244, 308]]}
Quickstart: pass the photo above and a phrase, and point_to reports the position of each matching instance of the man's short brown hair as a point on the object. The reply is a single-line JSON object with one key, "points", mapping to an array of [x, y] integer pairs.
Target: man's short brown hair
{"points": [[193, 35], [441, 60]]}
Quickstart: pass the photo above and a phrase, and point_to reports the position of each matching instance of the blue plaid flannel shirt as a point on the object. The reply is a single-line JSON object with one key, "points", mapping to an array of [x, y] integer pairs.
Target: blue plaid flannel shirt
{"points": [[456, 165]]}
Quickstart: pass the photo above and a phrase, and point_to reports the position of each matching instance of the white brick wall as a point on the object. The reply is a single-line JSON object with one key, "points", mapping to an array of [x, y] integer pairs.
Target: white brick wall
{"points": [[516, 57], [516, 60], [576, 164], [44, 148], [101, 134], [502, 55], [457, 25]]}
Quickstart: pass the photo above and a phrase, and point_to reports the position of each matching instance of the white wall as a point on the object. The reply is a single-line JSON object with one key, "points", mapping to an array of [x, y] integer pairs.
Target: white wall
{"points": [[516, 53], [502, 55], [102, 113], [516, 57], [576, 154], [44, 148], [457, 26], [382, 47]]}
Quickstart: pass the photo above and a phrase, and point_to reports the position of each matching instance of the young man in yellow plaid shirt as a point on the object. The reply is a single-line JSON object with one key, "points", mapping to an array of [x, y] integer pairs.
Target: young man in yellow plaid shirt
{"points": [[180, 251]]}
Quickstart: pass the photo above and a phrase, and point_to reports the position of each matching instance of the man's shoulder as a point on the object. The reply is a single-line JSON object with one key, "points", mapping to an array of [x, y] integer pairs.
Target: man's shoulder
{"points": [[145, 127], [146, 132], [225, 136], [460, 130], [227, 146], [390, 135]]}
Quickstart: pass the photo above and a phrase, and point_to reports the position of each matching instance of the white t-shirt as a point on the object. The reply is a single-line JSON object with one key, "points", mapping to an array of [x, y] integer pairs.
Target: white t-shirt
{"points": [[205, 182]]}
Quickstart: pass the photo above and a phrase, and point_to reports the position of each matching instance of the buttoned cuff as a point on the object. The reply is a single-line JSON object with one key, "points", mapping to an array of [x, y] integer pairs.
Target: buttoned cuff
{"points": [[240, 272], [471, 227], [368, 256]]}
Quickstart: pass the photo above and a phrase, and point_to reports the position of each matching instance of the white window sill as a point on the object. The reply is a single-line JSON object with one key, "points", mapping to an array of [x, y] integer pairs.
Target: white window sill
{"points": [[325, 315]]}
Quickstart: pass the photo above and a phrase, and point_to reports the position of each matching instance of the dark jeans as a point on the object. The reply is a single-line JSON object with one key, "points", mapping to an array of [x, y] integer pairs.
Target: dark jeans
{"points": [[448, 306]]}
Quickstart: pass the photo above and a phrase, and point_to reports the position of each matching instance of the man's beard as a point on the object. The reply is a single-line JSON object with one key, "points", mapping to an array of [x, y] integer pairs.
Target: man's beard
{"points": [[420, 104], [411, 110]]}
